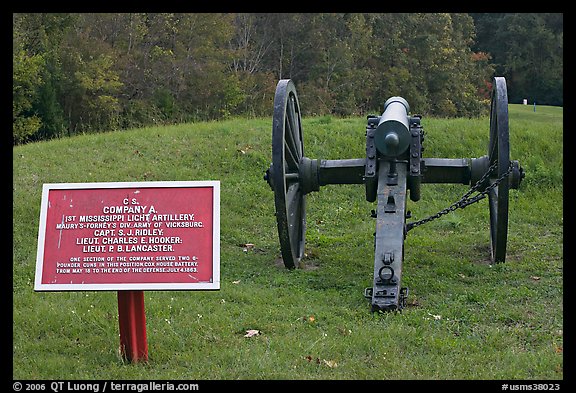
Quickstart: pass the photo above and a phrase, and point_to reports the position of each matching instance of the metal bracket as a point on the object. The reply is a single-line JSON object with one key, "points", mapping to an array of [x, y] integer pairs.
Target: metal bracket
{"points": [[371, 169], [388, 258], [390, 203], [368, 292], [403, 297], [415, 172]]}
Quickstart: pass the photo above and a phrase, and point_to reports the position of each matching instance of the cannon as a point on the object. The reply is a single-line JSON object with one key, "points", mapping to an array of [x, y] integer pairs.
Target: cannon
{"points": [[392, 169]]}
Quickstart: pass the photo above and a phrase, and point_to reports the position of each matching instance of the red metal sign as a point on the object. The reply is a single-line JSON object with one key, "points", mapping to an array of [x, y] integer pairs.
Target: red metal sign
{"points": [[129, 236]]}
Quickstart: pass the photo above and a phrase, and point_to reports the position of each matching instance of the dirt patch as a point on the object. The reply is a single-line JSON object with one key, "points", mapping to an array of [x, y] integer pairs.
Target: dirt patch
{"points": [[305, 264], [483, 255]]}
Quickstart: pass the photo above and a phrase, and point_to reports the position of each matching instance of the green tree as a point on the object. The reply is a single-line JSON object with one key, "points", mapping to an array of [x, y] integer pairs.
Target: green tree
{"points": [[41, 35], [526, 48], [97, 84], [100, 71], [26, 77], [249, 46]]}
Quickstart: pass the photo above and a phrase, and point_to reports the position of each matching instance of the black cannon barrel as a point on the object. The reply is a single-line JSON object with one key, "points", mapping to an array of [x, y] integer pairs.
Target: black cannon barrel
{"points": [[392, 136]]}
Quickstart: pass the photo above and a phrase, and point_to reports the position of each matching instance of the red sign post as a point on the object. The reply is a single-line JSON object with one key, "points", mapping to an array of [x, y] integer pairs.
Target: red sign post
{"points": [[129, 237], [132, 322]]}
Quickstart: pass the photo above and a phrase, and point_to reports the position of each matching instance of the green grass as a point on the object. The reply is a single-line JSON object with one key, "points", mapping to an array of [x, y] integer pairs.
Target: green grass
{"points": [[465, 319]]}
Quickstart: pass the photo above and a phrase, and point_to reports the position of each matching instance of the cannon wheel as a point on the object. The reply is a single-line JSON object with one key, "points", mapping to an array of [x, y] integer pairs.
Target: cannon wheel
{"points": [[287, 150], [499, 149]]}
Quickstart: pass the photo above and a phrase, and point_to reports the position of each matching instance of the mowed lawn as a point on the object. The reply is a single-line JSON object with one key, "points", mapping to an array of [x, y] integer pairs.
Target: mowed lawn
{"points": [[465, 318]]}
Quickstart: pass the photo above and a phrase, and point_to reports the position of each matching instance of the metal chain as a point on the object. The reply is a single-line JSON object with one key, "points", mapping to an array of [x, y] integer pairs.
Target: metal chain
{"points": [[466, 199]]}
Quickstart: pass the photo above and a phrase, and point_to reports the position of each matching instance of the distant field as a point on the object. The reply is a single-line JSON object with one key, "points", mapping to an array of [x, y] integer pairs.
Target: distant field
{"points": [[465, 319]]}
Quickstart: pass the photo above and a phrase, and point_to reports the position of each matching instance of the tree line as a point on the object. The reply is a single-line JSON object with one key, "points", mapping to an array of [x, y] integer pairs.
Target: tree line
{"points": [[89, 72]]}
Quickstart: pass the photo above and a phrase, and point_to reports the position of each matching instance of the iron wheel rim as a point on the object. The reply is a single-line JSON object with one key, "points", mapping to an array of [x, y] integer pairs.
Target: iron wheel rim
{"points": [[287, 150], [499, 149]]}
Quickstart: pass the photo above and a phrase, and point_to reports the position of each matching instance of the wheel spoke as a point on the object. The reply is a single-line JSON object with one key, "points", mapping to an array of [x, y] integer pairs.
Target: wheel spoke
{"points": [[291, 159], [493, 206], [290, 142], [294, 205], [292, 197], [291, 176], [294, 126], [492, 152]]}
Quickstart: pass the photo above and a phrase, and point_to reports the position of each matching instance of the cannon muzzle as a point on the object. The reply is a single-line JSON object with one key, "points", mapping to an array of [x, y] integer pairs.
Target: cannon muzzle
{"points": [[392, 136]]}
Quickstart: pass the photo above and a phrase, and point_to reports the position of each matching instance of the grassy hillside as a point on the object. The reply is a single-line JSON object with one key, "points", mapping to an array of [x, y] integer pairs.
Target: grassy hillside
{"points": [[465, 319]]}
